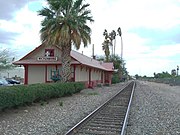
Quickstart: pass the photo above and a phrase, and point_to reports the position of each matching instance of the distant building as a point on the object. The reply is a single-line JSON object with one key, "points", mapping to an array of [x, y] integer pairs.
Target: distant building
{"points": [[44, 62]]}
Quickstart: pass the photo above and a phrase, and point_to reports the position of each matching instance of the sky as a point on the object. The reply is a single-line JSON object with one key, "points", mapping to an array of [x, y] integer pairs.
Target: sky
{"points": [[150, 31]]}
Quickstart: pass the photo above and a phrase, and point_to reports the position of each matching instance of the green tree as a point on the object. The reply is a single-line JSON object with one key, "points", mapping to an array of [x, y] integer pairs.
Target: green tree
{"points": [[155, 76], [64, 25], [119, 66], [5, 60], [116, 61], [173, 72], [162, 75], [100, 58], [137, 76]]}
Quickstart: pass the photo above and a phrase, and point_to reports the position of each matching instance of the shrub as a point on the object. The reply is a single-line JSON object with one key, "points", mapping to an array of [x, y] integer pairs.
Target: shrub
{"points": [[79, 86], [115, 79], [18, 95]]}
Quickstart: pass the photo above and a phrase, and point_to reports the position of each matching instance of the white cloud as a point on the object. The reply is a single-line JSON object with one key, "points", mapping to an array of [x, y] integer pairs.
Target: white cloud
{"points": [[166, 51], [27, 24], [128, 14], [153, 60], [140, 13], [147, 66], [110, 15]]}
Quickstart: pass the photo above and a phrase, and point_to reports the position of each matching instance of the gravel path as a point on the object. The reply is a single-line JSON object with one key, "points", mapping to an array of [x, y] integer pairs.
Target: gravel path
{"points": [[57, 116], [155, 110]]}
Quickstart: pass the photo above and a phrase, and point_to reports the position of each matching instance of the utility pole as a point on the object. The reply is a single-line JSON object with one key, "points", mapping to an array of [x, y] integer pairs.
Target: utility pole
{"points": [[177, 70]]}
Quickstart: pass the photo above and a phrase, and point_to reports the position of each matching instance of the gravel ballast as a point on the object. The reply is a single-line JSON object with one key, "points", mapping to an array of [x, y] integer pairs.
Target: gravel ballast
{"points": [[155, 110], [57, 116]]}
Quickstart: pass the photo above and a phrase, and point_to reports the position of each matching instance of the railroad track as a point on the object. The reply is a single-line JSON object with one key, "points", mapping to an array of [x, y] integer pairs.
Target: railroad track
{"points": [[110, 118]]}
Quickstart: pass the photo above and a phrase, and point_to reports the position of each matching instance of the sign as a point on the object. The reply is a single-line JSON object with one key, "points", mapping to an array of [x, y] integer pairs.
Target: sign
{"points": [[47, 58]]}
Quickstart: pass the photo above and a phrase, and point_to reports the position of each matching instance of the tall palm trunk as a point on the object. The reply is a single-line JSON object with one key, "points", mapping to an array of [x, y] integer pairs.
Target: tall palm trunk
{"points": [[114, 48], [66, 63], [121, 48], [107, 54]]}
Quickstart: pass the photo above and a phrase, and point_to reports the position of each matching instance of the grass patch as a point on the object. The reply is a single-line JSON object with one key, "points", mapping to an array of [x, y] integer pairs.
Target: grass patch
{"points": [[42, 103], [60, 103], [93, 93]]}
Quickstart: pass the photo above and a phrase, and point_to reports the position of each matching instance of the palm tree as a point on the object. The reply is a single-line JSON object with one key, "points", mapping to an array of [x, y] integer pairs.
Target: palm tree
{"points": [[113, 37], [107, 43], [64, 24], [105, 47], [120, 34], [105, 34]]}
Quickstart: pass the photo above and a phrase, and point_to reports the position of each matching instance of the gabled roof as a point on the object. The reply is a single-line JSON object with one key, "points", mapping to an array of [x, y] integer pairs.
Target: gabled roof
{"points": [[78, 57], [108, 65], [85, 60]]}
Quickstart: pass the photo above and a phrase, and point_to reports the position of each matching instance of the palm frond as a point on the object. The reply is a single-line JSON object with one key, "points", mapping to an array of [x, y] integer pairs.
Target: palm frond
{"points": [[77, 4], [46, 12], [65, 21], [84, 7]]}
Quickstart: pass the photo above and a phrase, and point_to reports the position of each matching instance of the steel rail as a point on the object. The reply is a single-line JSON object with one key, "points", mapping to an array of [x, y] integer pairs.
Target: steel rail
{"points": [[123, 131], [73, 129]]}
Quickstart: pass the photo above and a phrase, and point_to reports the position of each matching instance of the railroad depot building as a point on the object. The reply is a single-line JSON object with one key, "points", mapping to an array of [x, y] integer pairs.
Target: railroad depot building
{"points": [[44, 63]]}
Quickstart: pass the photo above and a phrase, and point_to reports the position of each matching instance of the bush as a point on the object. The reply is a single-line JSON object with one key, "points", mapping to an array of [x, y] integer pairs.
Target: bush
{"points": [[174, 81], [115, 79], [79, 86], [18, 95]]}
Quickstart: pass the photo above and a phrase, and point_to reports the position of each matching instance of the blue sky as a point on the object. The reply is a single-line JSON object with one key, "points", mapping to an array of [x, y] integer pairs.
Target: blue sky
{"points": [[150, 30]]}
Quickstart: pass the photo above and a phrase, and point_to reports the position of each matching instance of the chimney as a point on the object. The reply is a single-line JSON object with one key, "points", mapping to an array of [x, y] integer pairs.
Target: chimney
{"points": [[94, 57]]}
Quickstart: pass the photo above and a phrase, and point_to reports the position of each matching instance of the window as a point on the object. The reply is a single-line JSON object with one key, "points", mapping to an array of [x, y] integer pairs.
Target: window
{"points": [[49, 52]]}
